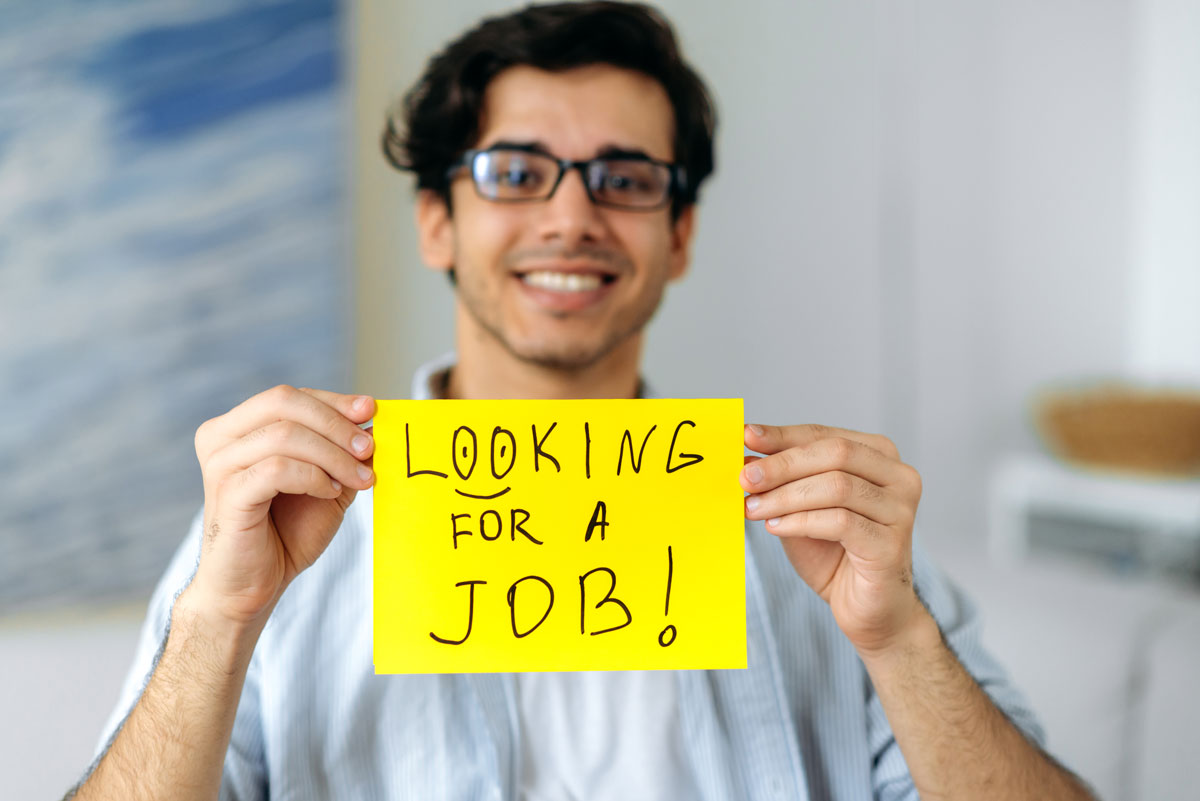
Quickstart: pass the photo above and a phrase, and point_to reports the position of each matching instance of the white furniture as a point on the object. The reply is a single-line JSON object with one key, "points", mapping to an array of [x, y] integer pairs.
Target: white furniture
{"points": [[1037, 503]]}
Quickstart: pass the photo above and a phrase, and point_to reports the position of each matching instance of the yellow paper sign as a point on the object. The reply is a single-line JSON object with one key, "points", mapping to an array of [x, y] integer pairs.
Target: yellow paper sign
{"points": [[558, 535]]}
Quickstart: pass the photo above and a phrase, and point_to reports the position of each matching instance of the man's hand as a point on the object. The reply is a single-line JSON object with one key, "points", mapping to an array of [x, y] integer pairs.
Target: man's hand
{"points": [[279, 472], [843, 505]]}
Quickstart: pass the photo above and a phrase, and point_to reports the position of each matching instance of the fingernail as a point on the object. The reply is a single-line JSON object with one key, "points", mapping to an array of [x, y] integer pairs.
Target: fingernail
{"points": [[754, 474], [758, 430], [364, 472], [773, 522], [360, 443], [752, 503], [337, 487], [360, 403]]}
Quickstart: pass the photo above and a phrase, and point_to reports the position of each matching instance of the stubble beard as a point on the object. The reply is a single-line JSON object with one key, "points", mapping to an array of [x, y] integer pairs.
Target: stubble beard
{"points": [[566, 358]]}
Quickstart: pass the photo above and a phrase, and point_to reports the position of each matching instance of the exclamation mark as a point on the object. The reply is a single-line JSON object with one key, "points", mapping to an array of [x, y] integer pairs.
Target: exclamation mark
{"points": [[667, 635]]}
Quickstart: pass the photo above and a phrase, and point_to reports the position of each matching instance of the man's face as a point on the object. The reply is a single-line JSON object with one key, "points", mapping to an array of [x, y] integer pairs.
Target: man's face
{"points": [[561, 283]]}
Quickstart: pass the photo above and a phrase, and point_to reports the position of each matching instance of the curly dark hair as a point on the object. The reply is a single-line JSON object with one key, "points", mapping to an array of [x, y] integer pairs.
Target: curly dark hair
{"points": [[440, 114]]}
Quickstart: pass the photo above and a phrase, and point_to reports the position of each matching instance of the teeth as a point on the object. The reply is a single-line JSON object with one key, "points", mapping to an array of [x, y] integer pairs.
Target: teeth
{"points": [[562, 282]]}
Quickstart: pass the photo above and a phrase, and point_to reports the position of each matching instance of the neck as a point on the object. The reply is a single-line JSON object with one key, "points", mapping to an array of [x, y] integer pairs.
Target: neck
{"points": [[486, 369]]}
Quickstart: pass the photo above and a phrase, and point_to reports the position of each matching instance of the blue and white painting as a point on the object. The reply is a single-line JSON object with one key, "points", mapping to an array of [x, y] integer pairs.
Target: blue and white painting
{"points": [[173, 239]]}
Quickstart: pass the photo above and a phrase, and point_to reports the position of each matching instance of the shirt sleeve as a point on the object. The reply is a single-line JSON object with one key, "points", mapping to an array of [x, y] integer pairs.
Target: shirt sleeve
{"points": [[961, 627], [243, 778]]}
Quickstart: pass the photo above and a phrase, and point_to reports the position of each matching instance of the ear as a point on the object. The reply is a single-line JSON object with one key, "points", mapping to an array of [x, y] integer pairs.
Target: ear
{"points": [[681, 242], [435, 229]]}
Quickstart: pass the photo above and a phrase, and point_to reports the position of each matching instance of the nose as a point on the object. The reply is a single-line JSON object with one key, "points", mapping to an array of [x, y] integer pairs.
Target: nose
{"points": [[569, 217]]}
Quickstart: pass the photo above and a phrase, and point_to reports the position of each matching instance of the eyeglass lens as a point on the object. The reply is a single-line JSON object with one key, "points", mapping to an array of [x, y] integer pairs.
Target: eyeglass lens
{"points": [[521, 175]]}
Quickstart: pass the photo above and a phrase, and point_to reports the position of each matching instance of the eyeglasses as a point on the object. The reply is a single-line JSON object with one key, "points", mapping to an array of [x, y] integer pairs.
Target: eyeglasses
{"points": [[518, 175]]}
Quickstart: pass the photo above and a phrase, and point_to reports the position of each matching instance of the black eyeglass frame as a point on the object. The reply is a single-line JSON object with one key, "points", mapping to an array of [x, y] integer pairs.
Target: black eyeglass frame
{"points": [[677, 175]]}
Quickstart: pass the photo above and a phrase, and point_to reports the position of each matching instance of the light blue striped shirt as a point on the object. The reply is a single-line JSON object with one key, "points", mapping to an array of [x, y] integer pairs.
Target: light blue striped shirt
{"points": [[315, 722]]}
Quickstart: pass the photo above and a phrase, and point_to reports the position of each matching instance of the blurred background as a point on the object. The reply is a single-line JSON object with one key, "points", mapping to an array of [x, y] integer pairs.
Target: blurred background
{"points": [[971, 226]]}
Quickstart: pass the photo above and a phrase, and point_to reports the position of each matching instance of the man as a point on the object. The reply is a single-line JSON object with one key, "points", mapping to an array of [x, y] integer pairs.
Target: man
{"points": [[558, 151]]}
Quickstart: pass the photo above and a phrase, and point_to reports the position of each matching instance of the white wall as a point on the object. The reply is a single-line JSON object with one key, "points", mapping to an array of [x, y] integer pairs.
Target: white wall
{"points": [[1165, 342], [1023, 227], [60, 674]]}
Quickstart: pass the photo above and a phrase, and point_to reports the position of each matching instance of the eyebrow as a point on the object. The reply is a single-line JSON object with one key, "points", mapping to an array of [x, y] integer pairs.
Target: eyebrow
{"points": [[537, 146], [615, 151]]}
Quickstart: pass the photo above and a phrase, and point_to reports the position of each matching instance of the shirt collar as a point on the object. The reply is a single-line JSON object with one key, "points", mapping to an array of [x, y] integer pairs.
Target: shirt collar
{"points": [[429, 382]]}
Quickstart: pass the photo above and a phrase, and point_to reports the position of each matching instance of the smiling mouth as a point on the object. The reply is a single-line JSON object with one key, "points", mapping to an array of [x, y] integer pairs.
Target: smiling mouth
{"points": [[482, 497], [561, 281]]}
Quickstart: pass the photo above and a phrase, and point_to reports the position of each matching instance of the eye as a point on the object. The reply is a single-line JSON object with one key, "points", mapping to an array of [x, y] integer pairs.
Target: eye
{"points": [[629, 178], [623, 182], [517, 173]]}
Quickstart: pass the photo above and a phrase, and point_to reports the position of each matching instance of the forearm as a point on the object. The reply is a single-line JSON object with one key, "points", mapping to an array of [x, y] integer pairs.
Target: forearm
{"points": [[956, 742], [173, 744]]}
